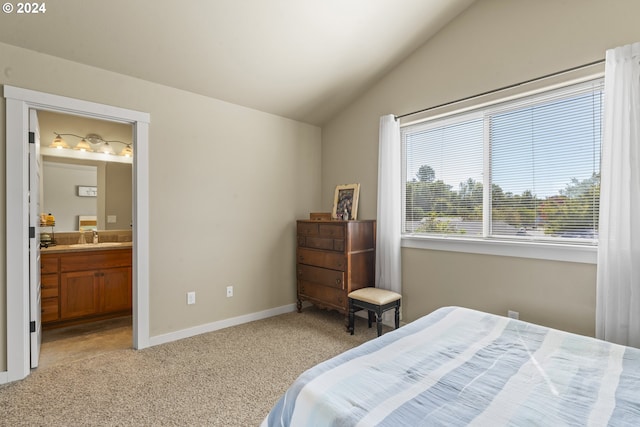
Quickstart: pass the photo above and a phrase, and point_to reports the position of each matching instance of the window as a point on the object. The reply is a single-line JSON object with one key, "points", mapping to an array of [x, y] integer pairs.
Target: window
{"points": [[522, 170]]}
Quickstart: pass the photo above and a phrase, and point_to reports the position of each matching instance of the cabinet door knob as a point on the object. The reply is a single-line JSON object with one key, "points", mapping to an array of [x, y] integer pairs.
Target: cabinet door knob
{"points": [[338, 281]]}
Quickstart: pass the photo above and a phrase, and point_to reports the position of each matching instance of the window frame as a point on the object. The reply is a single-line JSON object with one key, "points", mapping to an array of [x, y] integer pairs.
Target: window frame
{"points": [[569, 251]]}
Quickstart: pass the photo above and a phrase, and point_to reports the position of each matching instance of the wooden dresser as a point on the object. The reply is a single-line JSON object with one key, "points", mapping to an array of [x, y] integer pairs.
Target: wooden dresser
{"points": [[333, 259]]}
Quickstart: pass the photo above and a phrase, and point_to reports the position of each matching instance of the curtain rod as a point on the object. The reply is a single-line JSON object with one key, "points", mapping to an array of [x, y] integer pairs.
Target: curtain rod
{"points": [[557, 73]]}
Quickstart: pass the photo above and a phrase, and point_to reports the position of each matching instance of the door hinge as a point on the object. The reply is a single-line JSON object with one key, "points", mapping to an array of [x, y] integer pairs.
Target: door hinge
{"points": [[32, 326], [32, 138], [32, 232]]}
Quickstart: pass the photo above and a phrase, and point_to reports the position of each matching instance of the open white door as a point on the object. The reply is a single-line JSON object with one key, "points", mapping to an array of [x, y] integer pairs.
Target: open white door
{"points": [[34, 237]]}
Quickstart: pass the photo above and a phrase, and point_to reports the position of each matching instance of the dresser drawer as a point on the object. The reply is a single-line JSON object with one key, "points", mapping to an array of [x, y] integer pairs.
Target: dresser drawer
{"points": [[327, 295], [322, 276], [321, 243], [49, 286], [307, 229], [331, 230], [334, 261]]}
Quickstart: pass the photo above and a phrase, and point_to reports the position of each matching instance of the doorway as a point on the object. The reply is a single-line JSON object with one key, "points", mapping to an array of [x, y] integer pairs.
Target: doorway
{"points": [[18, 103], [93, 154]]}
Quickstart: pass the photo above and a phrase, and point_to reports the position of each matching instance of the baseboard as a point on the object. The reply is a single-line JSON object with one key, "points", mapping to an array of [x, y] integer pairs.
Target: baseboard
{"points": [[221, 324], [4, 377]]}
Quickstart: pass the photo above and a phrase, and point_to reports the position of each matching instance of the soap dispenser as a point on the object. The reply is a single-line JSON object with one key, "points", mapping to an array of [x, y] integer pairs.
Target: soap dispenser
{"points": [[95, 237]]}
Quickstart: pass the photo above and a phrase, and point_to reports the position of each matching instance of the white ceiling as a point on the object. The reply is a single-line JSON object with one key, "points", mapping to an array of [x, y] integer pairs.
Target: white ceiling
{"points": [[302, 59]]}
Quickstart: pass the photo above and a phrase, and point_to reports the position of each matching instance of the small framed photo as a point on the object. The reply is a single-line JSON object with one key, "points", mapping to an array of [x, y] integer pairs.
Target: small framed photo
{"points": [[345, 202], [87, 191]]}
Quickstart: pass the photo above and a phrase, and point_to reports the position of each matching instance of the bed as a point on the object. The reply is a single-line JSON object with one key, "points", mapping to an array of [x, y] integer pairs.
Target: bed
{"points": [[458, 366]]}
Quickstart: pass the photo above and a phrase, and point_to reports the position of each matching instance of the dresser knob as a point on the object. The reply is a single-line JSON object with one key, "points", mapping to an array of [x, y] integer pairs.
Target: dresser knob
{"points": [[338, 281]]}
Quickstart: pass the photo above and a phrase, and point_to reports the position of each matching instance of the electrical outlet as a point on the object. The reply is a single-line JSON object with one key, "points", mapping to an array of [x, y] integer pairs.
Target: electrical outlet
{"points": [[513, 314], [229, 291], [191, 297]]}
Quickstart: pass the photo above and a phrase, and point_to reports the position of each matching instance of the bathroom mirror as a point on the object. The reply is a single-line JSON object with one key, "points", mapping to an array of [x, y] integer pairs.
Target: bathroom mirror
{"points": [[75, 183]]}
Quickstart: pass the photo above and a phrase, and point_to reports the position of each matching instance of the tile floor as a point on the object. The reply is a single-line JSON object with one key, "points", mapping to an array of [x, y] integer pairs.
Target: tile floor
{"points": [[73, 343]]}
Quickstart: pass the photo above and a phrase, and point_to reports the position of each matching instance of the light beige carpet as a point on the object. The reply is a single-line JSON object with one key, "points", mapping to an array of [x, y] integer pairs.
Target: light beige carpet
{"points": [[230, 377]]}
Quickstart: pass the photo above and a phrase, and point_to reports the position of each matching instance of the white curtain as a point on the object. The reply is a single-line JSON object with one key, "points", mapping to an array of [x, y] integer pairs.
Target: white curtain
{"points": [[618, 283], [388, 267]]}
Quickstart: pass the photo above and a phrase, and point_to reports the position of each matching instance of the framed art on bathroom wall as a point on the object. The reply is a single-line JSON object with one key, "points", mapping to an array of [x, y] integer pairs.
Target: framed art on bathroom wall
{"points": [[87, 191]]}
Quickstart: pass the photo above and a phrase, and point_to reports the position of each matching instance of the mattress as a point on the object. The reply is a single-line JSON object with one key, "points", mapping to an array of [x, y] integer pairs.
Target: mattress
{"points": [[458, 366]]}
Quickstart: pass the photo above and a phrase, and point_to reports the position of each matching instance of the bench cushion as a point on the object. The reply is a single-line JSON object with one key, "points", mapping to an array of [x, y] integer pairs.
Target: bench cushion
{"points": [[375, 295]]}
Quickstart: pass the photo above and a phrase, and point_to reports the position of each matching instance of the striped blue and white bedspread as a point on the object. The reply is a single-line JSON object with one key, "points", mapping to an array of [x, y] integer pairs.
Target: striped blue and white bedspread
{"points": [[463, 367]]}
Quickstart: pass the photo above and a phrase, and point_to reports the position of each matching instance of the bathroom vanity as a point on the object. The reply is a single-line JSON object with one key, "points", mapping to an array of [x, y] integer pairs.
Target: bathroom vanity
{"points": [[85, 282]]}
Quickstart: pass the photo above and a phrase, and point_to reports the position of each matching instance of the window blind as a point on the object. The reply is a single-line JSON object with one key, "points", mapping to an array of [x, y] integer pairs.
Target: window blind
{"points": [[524, 169]]}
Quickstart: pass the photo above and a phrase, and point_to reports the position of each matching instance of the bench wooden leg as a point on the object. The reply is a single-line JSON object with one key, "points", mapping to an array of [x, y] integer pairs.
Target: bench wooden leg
{"points": [[351, 317], [379, 322]]}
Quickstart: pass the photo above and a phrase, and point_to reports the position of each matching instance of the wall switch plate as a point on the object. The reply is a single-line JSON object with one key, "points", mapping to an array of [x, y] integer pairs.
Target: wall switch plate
{"points": [[229, 291], [513, 314], [191, 297], [112, 219]]}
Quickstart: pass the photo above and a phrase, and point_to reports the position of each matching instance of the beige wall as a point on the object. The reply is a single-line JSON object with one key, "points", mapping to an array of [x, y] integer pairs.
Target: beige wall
{"points": [[119, 195], [225, 186], [493, 44]]}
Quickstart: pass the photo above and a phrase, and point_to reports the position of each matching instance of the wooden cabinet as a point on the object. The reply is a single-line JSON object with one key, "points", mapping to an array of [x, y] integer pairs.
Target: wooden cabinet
{"points": [[78, 294], [49, 288], [86, 285], [333, 259]]}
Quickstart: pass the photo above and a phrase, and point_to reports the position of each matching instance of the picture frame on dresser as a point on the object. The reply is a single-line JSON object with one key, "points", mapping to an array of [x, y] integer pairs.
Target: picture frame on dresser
{"points": [[345, 202]]}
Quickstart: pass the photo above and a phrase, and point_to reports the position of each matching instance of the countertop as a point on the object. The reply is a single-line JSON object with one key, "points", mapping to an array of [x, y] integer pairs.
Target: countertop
{"points": [[87, 247]]}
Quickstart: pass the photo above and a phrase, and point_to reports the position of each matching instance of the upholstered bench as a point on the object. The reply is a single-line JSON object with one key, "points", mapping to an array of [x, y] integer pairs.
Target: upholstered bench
{"points": [[376, 301]]}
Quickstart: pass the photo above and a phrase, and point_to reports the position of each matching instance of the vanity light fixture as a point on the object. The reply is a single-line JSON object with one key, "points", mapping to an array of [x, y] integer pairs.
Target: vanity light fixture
{"points": [[86, 142], [83, 145], [127, 151], [58, 142], [106, 148]]}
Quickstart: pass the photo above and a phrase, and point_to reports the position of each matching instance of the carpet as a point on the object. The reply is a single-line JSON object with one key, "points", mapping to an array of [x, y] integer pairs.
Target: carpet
{"points": [[230, 377]]}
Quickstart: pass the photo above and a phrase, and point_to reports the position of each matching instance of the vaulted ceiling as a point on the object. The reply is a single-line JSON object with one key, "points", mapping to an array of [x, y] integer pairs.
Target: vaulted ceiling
{"points": [[301, 59]]}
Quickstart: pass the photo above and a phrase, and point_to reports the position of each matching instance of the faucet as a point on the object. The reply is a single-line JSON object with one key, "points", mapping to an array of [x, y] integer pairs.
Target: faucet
{"points": [[95, 236]]}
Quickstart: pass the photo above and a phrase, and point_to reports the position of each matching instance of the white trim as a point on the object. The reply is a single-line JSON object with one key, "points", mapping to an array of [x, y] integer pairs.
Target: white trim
{"points": [[220, 324], [18, 103], [78, 107], [85, 155], [141, 237], [535, 250]]}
